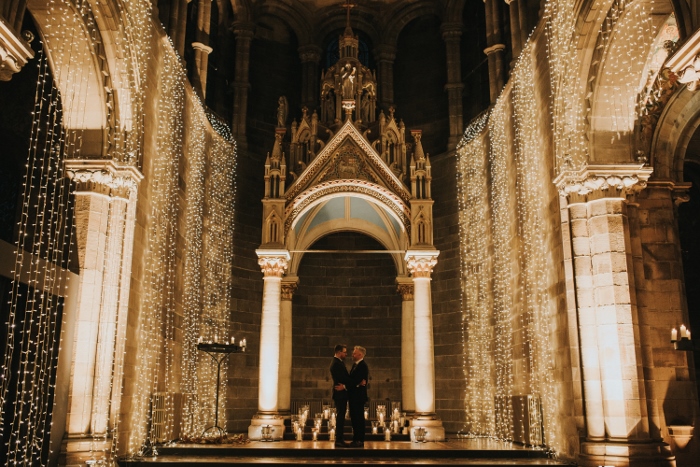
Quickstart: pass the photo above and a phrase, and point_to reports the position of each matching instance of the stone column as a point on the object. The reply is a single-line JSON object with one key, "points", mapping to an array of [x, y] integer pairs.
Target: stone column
{"points": [[201, 48], [244, 37], [420, 265], [518, 34], [105, 194], [310, 56], [15, 52], [385, 55], [495, 49], [408, 390], [452, 34], [614, 383], [289, 285], [273, 264]]}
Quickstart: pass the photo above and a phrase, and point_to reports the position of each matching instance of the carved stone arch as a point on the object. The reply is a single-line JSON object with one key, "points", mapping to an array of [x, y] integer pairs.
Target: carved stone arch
{"points": [[102, 101], [332, 19], [612, 105], [294, 14], [400, 15], [677, 124]]}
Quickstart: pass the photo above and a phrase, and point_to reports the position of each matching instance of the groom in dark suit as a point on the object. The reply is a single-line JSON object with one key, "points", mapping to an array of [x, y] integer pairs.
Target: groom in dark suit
{"points": [[359, 374], [341, 382]]}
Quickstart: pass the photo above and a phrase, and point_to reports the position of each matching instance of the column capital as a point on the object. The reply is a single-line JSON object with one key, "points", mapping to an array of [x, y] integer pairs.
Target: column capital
{"points": [[421, 262], [104, 176], [273, 262], [494, 48], [406, 291], [602, 181], [385, 53], [289, 286], [15, 52], [202, 47], [243, 30], [451, 30], [310, 53]]}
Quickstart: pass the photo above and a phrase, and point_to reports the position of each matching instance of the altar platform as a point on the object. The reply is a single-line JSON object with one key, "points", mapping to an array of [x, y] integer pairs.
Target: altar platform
{"points": [[453, 452]]}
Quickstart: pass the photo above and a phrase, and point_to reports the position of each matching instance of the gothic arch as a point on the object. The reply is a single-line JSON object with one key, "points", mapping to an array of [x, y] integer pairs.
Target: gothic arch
{"points": [[453, 11], [241, 10], [679, 120], [400, 15], [294, 14]]}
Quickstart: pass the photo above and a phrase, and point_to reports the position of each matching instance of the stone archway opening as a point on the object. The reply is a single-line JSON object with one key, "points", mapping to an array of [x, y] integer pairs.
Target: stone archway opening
{"points": [[347, 298]]}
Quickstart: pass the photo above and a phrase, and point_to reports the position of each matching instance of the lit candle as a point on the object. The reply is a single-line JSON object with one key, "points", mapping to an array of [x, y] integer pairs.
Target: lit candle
{"points": [[381, 418], [674, 334], [233, 340], [326, 414], [374, 430], [331, 434], [314, 434], [687, 334], [243, 343], [366, 414], [387, 434], [683, 329]]}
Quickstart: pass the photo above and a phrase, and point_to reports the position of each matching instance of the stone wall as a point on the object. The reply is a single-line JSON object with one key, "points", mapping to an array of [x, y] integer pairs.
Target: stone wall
{"points": [[349, 299]]}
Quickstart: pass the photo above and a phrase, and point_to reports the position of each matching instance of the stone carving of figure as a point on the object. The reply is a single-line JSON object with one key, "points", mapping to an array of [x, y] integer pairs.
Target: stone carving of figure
{"points": [[281, 112], [365, 107], [330, 107], [348, 81]]}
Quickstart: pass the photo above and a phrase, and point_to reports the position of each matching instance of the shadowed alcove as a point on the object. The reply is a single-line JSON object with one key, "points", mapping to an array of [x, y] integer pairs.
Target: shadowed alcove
{"points": [[347, 298]]}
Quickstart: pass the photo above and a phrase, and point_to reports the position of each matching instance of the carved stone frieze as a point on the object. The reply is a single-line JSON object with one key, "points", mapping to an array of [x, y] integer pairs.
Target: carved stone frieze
{"points": [[14, 52], [421, 262], [685, 62], [106, 177], [273, 263], [603, 180], [347, 186]]}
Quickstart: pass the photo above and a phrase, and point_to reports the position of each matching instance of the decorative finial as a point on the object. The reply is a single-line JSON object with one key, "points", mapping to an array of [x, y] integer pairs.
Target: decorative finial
{"points": [[348, 5]]}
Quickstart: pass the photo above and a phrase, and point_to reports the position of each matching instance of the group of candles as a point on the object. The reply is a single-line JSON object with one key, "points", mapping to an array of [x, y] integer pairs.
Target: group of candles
{"points": [[241, 343], [685, 333], [396, 422], [299, 422]]}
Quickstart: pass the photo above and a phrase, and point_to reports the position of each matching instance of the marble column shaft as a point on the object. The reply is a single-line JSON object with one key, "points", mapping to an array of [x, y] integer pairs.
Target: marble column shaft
{"points": [[285, 369], [495, 49]]}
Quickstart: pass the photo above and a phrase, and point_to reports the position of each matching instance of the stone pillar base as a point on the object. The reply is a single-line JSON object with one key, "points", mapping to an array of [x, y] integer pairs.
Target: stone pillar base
{"points": [[624, 454], [275, 421], [77, 451], [434, 431]]}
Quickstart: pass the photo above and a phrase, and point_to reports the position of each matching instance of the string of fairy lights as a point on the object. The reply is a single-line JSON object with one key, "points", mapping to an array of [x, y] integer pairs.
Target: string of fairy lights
{"points": [[503, 233], [43, 247]]}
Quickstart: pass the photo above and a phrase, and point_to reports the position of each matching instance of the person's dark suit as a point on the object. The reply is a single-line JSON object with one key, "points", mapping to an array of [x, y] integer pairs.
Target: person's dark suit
{"points": [[358, 398], [340, 375]]}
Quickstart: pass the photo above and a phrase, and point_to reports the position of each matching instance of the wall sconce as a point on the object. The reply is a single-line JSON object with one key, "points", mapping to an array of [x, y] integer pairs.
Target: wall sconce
{"points": [[684, 343]]}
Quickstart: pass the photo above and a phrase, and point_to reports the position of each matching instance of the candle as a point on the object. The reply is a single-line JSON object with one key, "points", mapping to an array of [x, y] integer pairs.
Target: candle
{"points": [[683, 331], [300, 434], [366, 414], [326, 414], [314, 434], [243, 343], [687, 334], [374, 430], [331, 434], [674, 334], [387, 434], [233, 340], [381, 418], [295, 428]]}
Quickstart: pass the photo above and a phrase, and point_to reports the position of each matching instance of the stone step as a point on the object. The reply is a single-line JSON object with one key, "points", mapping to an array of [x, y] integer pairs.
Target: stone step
{"points": [[396, 453]]}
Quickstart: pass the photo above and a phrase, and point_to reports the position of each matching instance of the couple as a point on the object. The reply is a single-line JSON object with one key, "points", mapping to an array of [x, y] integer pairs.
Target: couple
{"points": [[350, 387]]}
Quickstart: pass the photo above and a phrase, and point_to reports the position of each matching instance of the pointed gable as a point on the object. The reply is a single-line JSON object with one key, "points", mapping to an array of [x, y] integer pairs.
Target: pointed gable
{"points": [[348, 156]]}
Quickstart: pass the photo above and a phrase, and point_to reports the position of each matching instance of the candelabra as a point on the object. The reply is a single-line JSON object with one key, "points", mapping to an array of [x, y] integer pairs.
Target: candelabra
{"points": [[219, 352], [684, 343]]}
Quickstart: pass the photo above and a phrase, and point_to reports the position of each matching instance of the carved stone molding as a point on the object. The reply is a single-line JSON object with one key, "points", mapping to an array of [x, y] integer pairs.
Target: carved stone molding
{"points": [[14, 52], [107, 177], [273, 263], [421, 262], [679, 191], [597, 181], [202, 47], [685, 62], [494, 48]]}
